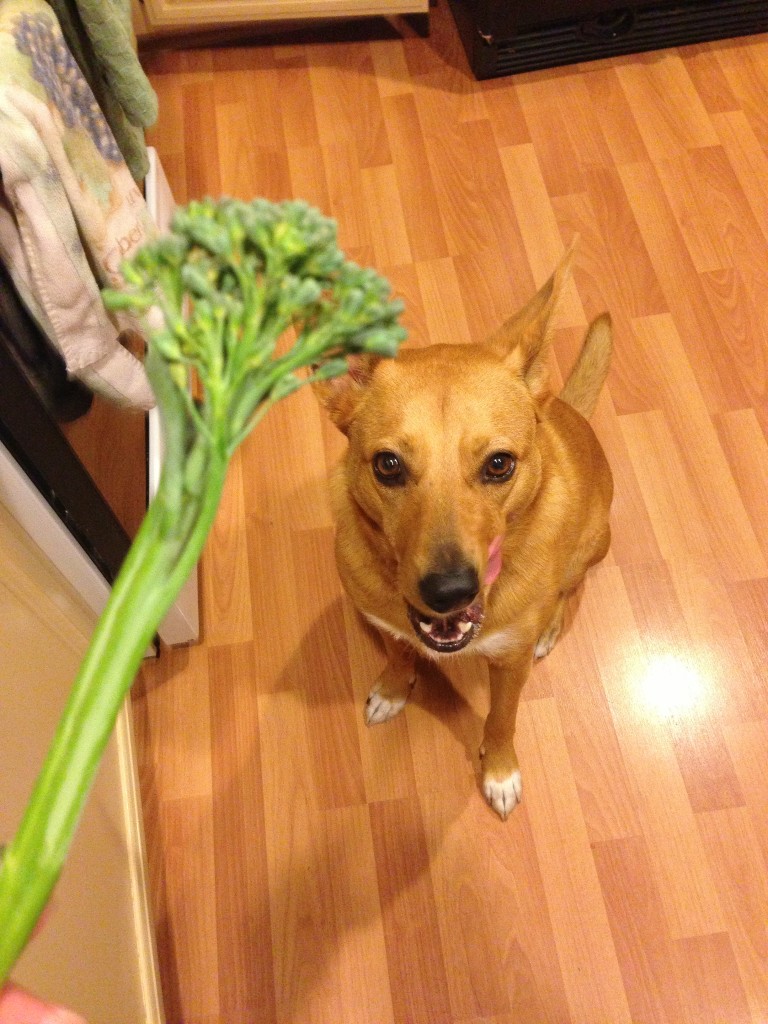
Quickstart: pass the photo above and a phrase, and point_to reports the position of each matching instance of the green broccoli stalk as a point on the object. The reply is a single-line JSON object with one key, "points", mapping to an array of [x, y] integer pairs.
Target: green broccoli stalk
{"points": [[220, 294]]}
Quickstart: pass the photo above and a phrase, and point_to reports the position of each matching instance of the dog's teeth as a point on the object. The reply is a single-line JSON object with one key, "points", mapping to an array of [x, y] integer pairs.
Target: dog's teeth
{"points": [[425, 627], [465, 627]]}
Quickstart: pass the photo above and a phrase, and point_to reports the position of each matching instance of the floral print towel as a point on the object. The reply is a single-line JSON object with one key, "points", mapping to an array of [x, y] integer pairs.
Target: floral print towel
{"points": [[70, 211]]}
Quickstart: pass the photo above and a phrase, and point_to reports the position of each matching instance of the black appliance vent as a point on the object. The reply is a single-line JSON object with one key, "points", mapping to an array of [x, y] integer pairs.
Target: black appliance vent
{"points": [[623, 30]]}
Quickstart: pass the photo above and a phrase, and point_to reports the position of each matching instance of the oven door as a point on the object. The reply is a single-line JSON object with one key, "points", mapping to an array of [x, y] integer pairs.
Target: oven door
{"points": [[81, 499]]}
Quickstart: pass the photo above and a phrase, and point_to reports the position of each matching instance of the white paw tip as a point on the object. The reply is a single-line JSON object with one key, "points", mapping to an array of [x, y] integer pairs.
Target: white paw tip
{"points": [[504, 794], [380, 709], [544, 647]]}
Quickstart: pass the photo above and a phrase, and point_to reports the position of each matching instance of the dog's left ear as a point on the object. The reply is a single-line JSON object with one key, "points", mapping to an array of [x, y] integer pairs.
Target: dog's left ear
{"points": [[340, 395], [524, 339]]}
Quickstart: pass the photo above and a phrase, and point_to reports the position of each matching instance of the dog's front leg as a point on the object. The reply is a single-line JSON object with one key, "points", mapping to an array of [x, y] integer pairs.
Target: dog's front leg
{"points": [[393, 687], [502, 784]]}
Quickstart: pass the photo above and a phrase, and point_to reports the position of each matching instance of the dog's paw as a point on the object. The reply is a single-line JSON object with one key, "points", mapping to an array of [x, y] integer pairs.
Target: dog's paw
{"points": [[504, 794], [380, 709]]}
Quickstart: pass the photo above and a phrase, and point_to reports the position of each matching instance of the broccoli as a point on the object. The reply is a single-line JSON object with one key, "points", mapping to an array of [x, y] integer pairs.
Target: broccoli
{"points": [[222, 295]]}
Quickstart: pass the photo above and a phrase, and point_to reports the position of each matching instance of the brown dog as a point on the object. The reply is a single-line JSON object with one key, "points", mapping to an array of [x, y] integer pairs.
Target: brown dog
{"points": [[469, 504]]}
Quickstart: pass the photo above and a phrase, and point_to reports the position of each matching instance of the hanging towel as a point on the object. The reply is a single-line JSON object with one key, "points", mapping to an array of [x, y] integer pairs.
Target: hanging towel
{"points": [[70, 211], [100, 37]]}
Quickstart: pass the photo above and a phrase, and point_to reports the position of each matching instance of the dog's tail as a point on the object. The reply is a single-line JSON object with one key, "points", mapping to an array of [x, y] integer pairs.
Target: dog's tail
{"points": [[582, 389]]}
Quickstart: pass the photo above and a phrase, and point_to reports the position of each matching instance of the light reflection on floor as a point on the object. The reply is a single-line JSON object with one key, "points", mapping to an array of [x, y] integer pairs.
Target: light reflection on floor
{"points": [[671, 687]]}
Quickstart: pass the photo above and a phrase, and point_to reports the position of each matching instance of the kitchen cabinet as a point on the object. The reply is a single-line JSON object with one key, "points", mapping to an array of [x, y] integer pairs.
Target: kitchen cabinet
{"points": [[96, 952], [159, 15]]}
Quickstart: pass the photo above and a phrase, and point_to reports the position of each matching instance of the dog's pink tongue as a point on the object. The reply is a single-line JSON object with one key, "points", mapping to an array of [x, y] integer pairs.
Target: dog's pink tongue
{"points": [[494, 560]]}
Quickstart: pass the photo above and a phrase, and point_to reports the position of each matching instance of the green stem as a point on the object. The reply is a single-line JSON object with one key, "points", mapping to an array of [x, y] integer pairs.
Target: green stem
{"points": [[146, 586]]}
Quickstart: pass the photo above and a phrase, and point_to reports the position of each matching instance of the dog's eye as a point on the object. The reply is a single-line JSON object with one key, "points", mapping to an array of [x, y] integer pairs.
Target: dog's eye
{"points": [[388, 469], [499, 467]]}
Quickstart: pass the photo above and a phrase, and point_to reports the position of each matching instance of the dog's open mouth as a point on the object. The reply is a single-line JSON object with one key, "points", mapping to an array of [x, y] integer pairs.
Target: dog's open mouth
{"points": [[447, 633]]}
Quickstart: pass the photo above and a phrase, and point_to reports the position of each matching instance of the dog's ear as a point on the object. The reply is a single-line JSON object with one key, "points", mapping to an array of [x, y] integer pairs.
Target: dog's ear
{"points": [[524, 339], [340, 395]]}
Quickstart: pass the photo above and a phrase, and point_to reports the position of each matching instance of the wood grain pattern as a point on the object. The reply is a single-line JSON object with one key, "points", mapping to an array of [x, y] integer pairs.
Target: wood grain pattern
{"points": [[423, 221], [308, 869], [579, 922], [243, 916]]}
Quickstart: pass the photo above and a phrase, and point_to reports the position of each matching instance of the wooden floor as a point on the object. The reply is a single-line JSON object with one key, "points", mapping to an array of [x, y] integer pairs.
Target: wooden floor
{"points": [[308, 869]]}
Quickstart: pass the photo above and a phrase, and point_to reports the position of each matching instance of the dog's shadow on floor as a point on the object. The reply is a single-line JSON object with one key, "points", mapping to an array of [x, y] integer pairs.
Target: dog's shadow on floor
{"points": [[340, 642], [454, 692]]}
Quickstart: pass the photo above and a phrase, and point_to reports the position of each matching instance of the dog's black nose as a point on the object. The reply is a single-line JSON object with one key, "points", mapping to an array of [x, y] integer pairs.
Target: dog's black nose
{"points": [[446, 591]]}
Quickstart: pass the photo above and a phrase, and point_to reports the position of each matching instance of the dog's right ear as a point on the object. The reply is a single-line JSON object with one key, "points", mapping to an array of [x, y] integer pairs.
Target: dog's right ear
{"points": [[341, 395], [524, 339]]}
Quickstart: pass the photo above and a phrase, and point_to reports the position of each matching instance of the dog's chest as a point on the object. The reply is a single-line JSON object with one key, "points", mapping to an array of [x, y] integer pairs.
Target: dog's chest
{"points": [[496, 643]]}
